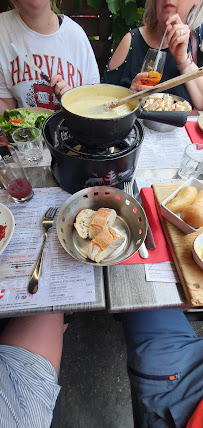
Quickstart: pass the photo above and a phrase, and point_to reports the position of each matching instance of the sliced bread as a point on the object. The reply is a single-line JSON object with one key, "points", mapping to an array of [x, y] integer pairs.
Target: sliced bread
{"points": [[102, 219], [83, 221], [104, 244]]}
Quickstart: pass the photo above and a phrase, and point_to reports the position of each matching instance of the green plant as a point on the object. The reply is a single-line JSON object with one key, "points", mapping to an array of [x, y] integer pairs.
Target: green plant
{"points": [[125, 14]]}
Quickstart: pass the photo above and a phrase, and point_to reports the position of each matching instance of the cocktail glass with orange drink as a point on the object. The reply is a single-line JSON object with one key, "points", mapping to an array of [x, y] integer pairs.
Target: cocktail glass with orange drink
{"points": [[153, 64]]}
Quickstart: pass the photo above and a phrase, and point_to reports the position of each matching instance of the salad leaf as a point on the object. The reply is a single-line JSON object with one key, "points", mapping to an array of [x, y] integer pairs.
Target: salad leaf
{"points": [[30, 119]]}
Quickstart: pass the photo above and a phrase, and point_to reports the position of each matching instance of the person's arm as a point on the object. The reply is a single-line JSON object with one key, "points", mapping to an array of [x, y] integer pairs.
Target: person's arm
{"points": [[40, 334], [121, 52], [119, 57], [178, 37], [7, 103]]}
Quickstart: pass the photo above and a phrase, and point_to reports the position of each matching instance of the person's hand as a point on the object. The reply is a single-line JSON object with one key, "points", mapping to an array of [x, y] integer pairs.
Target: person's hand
{"points": [[177, 37], [59, 85], [136, 85]]}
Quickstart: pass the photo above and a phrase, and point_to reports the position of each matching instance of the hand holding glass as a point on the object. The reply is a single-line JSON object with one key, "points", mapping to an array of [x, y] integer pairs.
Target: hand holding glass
{"points": [[13, 178], [154, 65]]}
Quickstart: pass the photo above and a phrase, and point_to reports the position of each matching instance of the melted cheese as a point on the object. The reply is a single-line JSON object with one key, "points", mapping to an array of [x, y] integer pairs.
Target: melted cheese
{"points": [[94, 107]]}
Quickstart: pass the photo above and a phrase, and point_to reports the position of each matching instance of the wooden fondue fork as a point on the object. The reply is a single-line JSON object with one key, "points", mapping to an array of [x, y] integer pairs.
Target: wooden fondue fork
{"points": [[171, 83]]}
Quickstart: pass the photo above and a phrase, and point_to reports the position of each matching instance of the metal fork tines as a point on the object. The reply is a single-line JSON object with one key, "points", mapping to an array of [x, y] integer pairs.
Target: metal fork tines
{"points": [[47, 222], [128, 188]]}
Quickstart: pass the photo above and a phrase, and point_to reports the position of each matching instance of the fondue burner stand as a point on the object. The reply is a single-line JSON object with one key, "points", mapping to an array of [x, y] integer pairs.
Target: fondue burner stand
{"points": [[75, 167]]}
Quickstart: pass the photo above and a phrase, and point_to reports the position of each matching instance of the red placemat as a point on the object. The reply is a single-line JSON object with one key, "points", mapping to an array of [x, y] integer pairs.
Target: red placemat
{"points": [[195, 133], [161, 253]]}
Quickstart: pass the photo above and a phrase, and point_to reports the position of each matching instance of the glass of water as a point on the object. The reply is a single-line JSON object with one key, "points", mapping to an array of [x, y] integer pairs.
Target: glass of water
{"points": [[192, 162], [29, 143]]}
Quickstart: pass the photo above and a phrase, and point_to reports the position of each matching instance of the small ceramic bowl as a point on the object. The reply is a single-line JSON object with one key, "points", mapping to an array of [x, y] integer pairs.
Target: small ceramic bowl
{"points": [[175, 218], [198, 243]]}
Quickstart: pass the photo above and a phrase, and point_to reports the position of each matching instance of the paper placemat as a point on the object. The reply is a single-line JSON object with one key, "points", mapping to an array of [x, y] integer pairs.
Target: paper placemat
{"points": [[64, 280]]}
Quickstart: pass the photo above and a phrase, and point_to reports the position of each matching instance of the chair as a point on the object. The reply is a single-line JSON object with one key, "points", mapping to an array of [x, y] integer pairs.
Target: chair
{"points": [[98, 27]]}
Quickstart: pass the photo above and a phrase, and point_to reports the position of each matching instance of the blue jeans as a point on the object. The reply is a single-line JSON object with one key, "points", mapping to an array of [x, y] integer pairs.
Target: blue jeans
{"points": [[165, 367]]}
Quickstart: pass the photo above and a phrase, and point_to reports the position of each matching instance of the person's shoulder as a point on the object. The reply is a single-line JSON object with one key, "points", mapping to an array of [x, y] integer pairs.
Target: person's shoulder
{"points": [[73, 26], [7, 16]]}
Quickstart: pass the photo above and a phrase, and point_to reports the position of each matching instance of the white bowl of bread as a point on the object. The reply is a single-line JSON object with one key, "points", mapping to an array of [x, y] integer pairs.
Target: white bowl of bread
{"points": [[197, 250], [164, 102], [184, 207], [101, 226]]}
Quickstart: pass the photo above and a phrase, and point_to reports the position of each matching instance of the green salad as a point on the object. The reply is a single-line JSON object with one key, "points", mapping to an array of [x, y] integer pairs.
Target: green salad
{"points": [[13, 119]]}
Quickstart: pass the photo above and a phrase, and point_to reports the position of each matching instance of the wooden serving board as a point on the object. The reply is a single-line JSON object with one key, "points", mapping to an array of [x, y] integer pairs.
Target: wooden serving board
{"points": [[190, 274]]}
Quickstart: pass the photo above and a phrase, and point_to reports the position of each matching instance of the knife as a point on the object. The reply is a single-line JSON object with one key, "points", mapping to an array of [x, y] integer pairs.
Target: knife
{"points": [[30, 63], [149, 240]]}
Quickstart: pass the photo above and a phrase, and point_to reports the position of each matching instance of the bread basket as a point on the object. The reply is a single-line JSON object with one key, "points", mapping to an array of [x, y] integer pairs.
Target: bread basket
{"points": [[130, 222]]}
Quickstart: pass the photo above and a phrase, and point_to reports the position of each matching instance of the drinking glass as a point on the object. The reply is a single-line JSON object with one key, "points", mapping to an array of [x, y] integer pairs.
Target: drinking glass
{"points": [[14, 179], [29, 143], [154, 65], [192, 162]]}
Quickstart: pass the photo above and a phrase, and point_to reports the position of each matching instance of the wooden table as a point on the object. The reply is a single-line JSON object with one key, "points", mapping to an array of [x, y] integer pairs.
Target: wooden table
{"points": [[118, 288]]}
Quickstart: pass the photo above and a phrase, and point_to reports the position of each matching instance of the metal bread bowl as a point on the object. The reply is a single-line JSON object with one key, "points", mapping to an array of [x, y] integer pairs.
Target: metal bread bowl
{"points": [[161, 127], [130, 222]]}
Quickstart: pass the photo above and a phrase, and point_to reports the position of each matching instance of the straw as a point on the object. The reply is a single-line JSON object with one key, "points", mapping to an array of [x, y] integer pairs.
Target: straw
{"points": [[157, 56], [163, 39]]}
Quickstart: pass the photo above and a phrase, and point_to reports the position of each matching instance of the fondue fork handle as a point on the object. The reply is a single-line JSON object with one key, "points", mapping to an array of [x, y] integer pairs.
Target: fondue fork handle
{"points": [[171, 83]]}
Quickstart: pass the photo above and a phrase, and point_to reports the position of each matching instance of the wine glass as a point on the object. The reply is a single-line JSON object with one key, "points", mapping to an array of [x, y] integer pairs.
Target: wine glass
{"points": [[153, 64]]}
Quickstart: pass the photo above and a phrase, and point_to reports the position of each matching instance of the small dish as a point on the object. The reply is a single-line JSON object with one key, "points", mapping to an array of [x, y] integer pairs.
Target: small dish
{"points": [[175, 218], [198, 242], [130, 222], [6, 219], [200, 121], [161, 127]]}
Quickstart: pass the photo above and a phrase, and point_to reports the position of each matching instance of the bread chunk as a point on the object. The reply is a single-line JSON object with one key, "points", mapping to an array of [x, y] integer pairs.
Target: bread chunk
{"points": [[82, 223], [104, 244], [183, 199], [102, 219]]}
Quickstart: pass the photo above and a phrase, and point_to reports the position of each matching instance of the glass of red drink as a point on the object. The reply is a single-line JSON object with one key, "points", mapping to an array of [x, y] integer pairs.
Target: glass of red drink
{"points": [[14, 179], [153, 64]]}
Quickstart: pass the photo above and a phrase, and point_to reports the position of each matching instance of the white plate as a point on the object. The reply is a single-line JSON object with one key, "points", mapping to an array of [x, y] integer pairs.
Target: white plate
{"points": [[6, 219], [200, 121], [197, 243]]}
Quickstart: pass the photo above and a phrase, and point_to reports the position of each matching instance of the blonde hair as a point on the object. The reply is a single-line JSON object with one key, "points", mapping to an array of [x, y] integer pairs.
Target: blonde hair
{"points": [[194, 19]]}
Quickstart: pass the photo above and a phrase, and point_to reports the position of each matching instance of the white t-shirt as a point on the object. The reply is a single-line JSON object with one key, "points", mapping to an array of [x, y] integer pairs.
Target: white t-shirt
{"points": [[66, 52]]}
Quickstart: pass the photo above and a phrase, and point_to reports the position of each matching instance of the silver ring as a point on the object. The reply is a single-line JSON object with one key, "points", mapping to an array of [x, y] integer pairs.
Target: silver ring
{"points": [[182, 32]]}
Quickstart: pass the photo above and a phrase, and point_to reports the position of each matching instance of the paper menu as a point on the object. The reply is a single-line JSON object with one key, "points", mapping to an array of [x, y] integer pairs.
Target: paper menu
{"points": [[162, 149], [63, 280]]}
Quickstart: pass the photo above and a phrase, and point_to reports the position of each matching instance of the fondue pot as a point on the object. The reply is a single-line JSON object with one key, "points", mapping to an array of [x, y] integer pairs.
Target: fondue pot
{"points": [[76, 166], [105, 132]]}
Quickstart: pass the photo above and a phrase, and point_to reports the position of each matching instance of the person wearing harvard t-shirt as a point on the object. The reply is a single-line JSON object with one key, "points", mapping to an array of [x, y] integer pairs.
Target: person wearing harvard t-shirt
{"points": [[55, 43]]}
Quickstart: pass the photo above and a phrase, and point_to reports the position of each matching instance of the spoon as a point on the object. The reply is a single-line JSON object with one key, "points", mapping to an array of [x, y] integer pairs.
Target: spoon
{"points": [[171, 83]]}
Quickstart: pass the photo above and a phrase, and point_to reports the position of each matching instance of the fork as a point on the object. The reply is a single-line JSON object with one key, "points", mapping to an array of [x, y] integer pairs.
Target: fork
{"points": [[47, 222], [128, 188]]}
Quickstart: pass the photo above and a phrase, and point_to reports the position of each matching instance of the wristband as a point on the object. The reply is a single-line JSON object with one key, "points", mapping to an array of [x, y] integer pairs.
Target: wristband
{"points": [[187, 62]]}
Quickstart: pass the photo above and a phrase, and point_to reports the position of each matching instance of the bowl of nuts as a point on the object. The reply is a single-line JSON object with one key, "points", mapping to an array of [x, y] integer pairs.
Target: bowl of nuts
{"points": [[164, 102]]}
